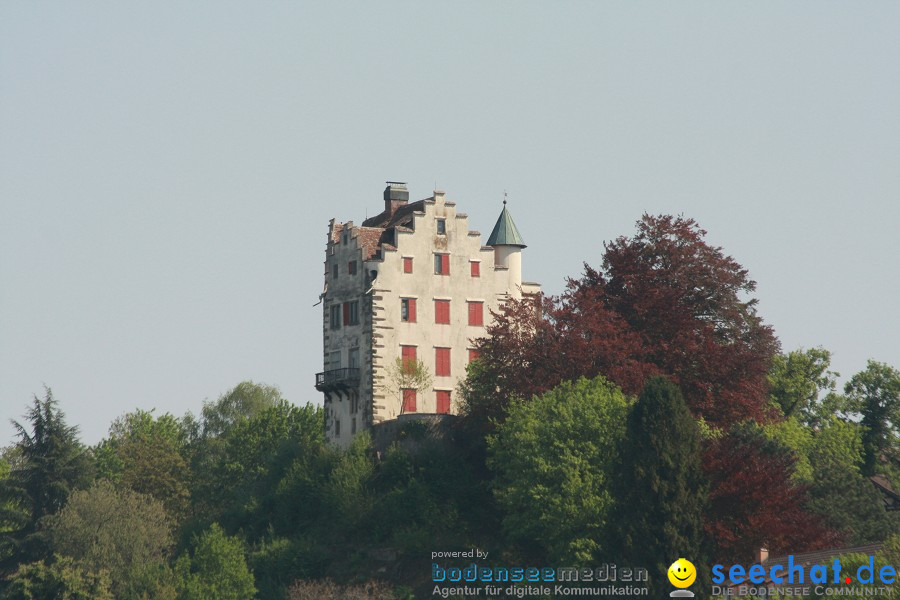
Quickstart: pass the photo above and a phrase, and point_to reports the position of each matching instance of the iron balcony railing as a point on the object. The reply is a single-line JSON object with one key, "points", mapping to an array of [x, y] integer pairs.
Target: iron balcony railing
{"points": [[337, 378]]}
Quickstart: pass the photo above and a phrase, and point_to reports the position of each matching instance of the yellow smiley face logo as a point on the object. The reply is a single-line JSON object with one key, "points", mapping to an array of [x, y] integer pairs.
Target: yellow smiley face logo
{"points": [[682, 573]]}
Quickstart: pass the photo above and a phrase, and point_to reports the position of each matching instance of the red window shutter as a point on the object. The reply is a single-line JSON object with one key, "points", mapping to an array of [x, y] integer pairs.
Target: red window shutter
{"points": [[409, 401], [476, 313], [407, 265], [476, 268], [445, 264], [346, 313], [443, 402], [412, 310], [442, 362], [442, 312], [408, 354], [473, 354]]}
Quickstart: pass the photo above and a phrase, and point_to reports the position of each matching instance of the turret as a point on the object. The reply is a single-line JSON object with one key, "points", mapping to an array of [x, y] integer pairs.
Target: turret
{"points": [[508, 243]]}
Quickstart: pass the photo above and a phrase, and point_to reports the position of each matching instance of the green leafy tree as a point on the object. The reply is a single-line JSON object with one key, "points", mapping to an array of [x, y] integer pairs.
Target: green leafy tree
{"points": [[118, 531], [552, 458], [244, 401], [661, 490], [62, 578], [874, 394], [406, 374], [215, 570], [51, 464], [839, 491], [798, 379], [147, 455]]}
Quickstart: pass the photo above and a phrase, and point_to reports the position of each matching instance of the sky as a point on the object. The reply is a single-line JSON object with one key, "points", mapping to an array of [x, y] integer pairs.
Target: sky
{"points": [[168, 170]]}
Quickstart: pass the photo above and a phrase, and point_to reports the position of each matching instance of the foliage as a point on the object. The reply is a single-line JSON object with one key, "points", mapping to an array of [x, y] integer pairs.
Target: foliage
{"points": [[215, 570], [754, 503], [661, 491], [665, 302], [51, 464], [326, 589], [406, 374], [62, 578], [552, 460], [147, 455], [844, 497], [113, 530], [244, 401], [798, 379], [874, 395]]}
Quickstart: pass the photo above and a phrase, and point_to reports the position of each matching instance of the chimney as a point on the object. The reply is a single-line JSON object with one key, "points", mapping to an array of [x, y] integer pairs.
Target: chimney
{"points": [[762, 555], [395, 196]]}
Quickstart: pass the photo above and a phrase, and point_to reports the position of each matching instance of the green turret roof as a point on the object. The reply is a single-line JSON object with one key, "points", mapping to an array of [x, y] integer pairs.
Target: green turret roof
{"points": [[505, 232]]}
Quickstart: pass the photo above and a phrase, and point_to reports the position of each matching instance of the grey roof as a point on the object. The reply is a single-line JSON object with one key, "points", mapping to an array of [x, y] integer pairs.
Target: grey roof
{"points": [[505, 232]]}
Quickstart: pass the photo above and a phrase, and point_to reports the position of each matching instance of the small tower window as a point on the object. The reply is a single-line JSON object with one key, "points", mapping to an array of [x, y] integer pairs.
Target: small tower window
{"points": [[408, 310], [441, 264], [334, 272], [351, 267], [407, 264], [441, 226]]}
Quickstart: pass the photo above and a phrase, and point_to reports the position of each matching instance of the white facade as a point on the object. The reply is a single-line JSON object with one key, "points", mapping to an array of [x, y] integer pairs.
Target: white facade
{"points": [[374, 307]]}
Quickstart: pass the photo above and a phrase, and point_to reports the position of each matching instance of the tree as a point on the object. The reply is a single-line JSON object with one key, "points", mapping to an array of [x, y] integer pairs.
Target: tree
{"points": [[796, 381], [406, 374], [114, 530], [215, 570], [664, 303], [661, 490], [244, 401], [754, 502], [146, 454], [552, 459], [874, 395], [839, 492], [51, 464], [62, 578]]}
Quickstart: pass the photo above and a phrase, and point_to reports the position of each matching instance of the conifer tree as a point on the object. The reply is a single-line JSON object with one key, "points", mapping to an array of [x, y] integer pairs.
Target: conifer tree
{"points": [[661, 488]]}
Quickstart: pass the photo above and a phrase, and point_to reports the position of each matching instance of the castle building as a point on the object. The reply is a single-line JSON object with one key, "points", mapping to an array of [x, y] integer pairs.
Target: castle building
{"points": [[411, 287]]}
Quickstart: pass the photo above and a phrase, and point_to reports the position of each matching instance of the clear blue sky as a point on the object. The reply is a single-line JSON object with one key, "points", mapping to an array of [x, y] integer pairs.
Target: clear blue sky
{"points": [[167, 170]]}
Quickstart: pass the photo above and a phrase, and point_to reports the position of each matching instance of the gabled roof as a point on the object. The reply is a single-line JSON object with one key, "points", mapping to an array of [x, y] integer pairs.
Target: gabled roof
{"points": [[505, 232]]}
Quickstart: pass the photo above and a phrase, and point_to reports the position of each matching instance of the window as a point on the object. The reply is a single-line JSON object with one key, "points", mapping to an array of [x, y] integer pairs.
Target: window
{"points": [[441, 264], [354, 404], [443, 402], [351, 267], [409, 401], [476, 313], [407, 264], [351, 313], [336, 316], [442, 312], [441, 226], [337, 428], [353, 425], [408, 310], [345, 239], [442, 362], [353, 361], [334, 360], [473, 354], [408, 354], [475, 268], [334, 272]]}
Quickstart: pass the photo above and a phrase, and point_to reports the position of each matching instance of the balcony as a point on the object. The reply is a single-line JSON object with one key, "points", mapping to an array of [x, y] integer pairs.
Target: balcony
{"points": [[337, 380]]}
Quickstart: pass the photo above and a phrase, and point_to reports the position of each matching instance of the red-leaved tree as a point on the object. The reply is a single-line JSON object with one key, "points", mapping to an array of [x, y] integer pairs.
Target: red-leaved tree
{"points": [[665, 303], [753, 503]]}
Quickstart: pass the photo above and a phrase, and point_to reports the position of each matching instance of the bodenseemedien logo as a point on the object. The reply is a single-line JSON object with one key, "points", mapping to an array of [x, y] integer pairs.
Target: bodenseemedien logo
{"points": [[682, 574]]}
